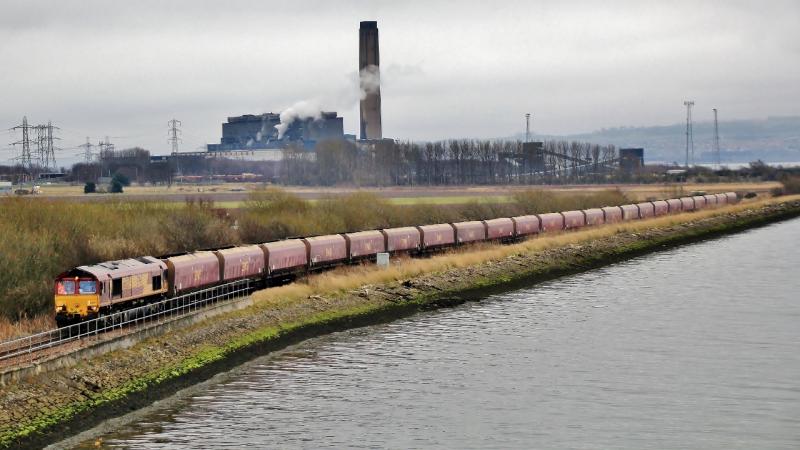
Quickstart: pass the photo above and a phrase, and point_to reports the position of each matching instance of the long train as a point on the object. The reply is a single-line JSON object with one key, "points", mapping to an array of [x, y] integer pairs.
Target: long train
{"points": [[87, 292]]}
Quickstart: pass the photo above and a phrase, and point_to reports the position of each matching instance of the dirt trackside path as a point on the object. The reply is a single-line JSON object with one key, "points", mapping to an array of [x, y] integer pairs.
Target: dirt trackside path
{"points": [[50, 406]]}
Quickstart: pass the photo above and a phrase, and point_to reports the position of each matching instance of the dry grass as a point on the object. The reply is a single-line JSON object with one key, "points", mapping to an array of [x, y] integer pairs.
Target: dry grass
{"points": [[791, 184], [40, 238], [348, 278], [25, 327]]}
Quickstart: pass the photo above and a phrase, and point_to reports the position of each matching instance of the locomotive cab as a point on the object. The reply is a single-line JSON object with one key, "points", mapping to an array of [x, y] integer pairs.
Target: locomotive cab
{"points": [[77, 297], [86, 292]]}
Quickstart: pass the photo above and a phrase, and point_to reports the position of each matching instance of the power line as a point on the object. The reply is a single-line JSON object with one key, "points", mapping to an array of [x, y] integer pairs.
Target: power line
{"points": [[174, 131], [25, 156], [105, 146], [689, 133], [87, 153], [45, 148]]}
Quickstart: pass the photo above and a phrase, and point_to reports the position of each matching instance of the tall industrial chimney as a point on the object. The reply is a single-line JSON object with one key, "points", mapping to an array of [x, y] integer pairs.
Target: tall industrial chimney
{"points": [[368, 65]]}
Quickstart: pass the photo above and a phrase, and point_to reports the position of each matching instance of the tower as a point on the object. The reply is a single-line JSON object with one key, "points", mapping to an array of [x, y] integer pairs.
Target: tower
{"points": [[25, 158], [689, 133], [717, 158], [527, 127], [174, 134], [369, 78]]}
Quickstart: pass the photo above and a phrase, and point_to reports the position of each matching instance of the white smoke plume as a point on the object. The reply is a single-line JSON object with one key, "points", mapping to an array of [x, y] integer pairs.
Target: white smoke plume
{"points": [[301, 110], [369, 80]]}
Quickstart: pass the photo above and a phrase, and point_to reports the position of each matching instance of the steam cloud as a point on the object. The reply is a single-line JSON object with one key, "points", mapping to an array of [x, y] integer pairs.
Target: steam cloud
{"points": [[369, 80], [301, 110]]}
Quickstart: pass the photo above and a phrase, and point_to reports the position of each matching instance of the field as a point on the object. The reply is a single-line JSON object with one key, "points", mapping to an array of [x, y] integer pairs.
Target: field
{"points": [[233, 195]]}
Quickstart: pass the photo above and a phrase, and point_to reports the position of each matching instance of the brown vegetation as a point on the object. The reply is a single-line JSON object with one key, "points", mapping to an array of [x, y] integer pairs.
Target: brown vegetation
{"points": [[40, 238], [791, 184]]}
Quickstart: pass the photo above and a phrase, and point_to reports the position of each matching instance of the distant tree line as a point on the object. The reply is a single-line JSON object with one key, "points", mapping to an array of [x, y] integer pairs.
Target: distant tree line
{"points": [[132, 164], [453, 162]]}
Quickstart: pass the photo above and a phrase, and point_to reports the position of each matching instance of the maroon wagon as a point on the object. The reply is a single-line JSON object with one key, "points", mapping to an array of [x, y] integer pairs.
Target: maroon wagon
{"points": [[240, 262], [526, 225], [612, 214], [552, 222], [325, 250], [365, 244], [192, 271], [499, 229], [594, 216], [646, 210], [675, 205], [629, 212], [435, 236], [660, 207], [402, 239], [473, 231], [573, 219], [699, 202], [286, 256]]}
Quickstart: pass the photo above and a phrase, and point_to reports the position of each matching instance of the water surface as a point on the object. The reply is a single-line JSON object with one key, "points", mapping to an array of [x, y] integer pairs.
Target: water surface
{"points": [[696, 347]]}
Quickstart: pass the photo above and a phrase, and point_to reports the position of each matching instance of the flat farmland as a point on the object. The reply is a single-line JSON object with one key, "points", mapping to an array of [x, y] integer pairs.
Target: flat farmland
{"points": [[232, 195]]}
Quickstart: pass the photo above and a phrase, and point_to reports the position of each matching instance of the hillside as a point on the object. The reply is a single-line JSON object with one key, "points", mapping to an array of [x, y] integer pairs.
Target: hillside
{"points": [[775, 139]]}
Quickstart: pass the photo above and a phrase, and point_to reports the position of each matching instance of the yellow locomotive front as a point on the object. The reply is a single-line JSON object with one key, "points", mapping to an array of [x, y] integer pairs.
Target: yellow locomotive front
{"points": [[76, 298], [87, 292]]}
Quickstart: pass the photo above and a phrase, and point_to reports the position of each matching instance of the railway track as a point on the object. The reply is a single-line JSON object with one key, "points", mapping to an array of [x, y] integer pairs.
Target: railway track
{"points": [[37, 347]]}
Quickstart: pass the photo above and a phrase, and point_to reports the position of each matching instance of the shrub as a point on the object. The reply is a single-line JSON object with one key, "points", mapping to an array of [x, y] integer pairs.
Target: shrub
{"points": [[121, 178], [39, 240], [534, 201], [89, 187], [116, 187], [791, 184]]}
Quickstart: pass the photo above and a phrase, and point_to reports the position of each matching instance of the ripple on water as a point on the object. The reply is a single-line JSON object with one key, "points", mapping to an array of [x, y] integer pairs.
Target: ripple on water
{"points": [[693, 347]]}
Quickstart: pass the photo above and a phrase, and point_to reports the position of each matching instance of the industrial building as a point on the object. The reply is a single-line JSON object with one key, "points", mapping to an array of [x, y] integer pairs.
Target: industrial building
{"points": [[631, 159], [258, 132], [256, 137]]}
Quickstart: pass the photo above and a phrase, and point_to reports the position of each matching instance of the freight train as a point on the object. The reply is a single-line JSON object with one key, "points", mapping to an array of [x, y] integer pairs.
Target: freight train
{"points": [[87, 292]]}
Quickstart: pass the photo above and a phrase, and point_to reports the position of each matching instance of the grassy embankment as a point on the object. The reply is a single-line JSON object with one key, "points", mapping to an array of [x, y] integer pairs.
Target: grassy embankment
{"points": [[328, 300]]}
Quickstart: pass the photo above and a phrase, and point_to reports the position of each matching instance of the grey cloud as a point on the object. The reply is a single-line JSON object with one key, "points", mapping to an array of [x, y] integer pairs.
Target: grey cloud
{"points": [[449, 69]]}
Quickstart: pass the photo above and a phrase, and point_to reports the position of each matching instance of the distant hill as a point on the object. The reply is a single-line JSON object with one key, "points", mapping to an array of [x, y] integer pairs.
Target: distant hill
{"points": [[775, 139]]}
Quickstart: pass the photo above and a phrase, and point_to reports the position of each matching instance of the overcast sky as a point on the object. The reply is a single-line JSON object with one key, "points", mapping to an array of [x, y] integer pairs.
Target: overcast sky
{"points": [[449, 69]]}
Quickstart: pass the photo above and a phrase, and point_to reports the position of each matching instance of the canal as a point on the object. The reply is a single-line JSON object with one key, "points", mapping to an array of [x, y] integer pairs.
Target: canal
{"points": [[694, 347]]}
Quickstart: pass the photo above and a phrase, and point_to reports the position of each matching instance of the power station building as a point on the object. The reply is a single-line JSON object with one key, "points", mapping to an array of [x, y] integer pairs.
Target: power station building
{"points": [[259, 132], [250, 132]]}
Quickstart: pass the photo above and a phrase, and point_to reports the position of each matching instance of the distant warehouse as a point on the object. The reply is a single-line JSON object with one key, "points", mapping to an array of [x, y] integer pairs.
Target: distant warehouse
{"points": [[259, 132]]}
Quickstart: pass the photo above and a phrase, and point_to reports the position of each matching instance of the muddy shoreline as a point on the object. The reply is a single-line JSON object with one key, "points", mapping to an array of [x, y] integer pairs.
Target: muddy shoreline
{"points": [[51, 406]]}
